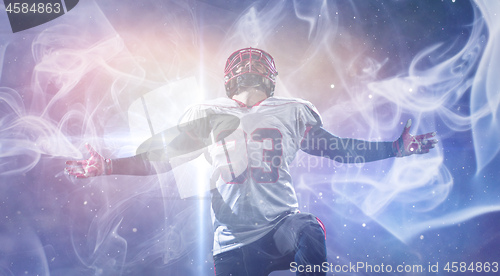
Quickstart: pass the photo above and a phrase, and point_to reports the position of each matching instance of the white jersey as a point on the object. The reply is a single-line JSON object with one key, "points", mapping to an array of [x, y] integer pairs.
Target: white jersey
{"points": [[254, 188]]}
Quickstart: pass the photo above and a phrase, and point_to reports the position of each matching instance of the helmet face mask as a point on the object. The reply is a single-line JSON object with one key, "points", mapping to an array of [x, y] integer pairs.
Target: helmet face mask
{"points": [[250, 67]]}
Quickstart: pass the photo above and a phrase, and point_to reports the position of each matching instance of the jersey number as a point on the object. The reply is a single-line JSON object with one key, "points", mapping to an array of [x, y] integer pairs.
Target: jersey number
{"points": [[265, 159]]}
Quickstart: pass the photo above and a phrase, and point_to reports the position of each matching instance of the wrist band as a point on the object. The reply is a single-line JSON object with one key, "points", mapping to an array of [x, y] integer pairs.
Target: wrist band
{"points": [[108, 166]]}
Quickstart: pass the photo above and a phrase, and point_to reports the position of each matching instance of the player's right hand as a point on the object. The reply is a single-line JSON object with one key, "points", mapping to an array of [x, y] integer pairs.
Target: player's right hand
{"points": [[94, 166]]}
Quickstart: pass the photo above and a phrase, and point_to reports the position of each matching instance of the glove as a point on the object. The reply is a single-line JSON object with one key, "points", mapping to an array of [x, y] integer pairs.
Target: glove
{"points": [[408, 144], [94, 166]]}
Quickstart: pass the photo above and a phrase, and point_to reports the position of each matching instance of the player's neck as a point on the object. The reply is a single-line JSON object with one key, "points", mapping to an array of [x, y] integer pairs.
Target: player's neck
{"points": [[250, 97]]}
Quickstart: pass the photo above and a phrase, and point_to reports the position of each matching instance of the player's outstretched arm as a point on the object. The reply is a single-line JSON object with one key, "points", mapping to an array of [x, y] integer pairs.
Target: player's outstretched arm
{"points": [[97, 165], [320, 142]]}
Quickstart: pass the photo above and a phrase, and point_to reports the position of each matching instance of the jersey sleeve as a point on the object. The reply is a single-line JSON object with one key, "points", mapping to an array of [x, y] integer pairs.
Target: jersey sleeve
{"points": [[308, 119], [191, 133], [196, 122]]}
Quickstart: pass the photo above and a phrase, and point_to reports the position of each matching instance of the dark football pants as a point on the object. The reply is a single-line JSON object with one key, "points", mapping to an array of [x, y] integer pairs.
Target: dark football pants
{"points": [[298, 241]]}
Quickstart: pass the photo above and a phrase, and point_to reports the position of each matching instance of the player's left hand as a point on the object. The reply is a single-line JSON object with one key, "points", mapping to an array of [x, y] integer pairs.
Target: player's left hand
{"points": [[408, 144]]}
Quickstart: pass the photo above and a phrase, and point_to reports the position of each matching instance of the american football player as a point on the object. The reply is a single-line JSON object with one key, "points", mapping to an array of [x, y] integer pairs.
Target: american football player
{"points": [[257, 223]]}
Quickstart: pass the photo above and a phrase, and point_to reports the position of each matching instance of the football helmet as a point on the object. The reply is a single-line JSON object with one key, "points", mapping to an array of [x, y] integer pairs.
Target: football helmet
{"points": [[250, 67]]}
